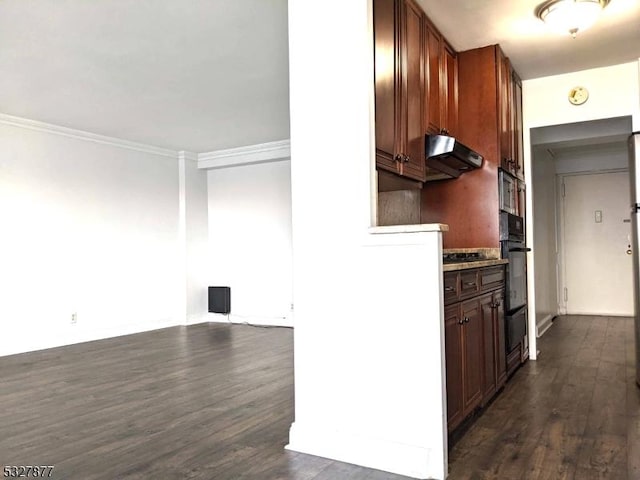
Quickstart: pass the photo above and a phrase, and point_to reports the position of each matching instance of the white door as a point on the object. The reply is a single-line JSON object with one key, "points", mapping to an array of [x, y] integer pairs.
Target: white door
{"points": [[597, 233]]}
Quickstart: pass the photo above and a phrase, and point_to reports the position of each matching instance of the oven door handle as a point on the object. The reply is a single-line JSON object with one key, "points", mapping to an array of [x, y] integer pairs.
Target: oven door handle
{"points": [[519, 249]]}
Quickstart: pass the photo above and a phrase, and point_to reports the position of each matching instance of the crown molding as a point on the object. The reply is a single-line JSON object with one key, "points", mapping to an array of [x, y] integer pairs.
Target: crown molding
{"points": [[82, 135], [251, 154], [184, 155]]}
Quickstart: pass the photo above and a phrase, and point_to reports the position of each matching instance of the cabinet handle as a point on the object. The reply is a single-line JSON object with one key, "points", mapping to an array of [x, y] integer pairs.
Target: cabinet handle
{"points": [[470, 284], [449, 289], [467, 319], [461, 321], [497, 304], [406, 158], [398, 157]]}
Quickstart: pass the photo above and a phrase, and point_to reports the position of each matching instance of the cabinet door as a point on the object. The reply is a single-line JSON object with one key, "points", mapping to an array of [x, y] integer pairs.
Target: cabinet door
{"points": [[504, 112], [412, 27], [472, 354], [453, 353], [488, 347], [500, 345], [449, 90], [433, 52], [386, 92], [518, 150]]}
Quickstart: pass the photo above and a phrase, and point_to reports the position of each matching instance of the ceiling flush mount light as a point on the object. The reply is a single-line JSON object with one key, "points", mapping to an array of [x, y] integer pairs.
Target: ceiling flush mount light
{"points": [[571, 16]]}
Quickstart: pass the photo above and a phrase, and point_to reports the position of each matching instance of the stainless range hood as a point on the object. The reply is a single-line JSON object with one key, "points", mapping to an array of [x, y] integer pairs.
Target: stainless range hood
{"points": [[448, 158]]}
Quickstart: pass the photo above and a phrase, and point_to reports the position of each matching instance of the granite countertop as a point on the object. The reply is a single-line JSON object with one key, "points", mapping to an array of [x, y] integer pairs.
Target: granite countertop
{"points": [[488, 258], [489, 262]]}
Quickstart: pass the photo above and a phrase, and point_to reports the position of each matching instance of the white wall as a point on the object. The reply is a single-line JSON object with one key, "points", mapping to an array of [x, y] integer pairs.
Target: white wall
{"points": [[88, 227], [368, 340], [194, 237], [544, 237], [249, 210], [597, 159], [614, 92]]}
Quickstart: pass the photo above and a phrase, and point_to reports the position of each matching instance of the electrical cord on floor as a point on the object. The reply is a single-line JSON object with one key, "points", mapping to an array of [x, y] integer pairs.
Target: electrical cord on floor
{"points": [[244, 322]]}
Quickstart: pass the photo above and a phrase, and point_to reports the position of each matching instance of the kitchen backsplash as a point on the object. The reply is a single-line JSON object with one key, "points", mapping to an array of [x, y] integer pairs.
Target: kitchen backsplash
{"points": [[399, 207]]}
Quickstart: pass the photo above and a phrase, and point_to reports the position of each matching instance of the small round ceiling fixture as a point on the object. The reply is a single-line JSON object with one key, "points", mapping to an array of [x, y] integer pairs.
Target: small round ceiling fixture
{"points": [[578, 95], [570, 16]]}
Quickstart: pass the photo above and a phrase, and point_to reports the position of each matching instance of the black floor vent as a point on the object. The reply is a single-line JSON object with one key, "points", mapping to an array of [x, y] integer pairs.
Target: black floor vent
{"points": [[219, 299]]}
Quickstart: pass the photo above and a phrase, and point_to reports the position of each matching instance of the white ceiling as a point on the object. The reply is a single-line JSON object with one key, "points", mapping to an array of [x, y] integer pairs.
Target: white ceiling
{"points": [[202, 75], [196, 75], [534, 50]]}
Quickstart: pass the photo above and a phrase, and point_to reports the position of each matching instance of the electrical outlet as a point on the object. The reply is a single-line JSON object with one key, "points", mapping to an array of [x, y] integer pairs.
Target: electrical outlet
{"points": [[74, 318], [291, 307]]}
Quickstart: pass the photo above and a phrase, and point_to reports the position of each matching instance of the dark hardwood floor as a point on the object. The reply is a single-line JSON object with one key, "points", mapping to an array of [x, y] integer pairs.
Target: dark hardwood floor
{"points": [[572, 414], [209, 401], [215, 401]]}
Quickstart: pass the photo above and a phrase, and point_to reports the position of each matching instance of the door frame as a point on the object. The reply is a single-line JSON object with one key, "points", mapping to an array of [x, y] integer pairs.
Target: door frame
{"points": [[561, 264]]}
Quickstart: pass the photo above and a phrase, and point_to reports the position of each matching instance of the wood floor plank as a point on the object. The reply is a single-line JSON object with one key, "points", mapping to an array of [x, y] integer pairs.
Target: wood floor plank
{"points": [[603, 457], [203, 402], [215, 401], [571, 414]]}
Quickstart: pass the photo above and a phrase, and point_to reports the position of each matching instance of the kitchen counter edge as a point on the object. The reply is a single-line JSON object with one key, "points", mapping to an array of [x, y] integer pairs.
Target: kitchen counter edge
{"points": [[452, 267], [423, 227]]}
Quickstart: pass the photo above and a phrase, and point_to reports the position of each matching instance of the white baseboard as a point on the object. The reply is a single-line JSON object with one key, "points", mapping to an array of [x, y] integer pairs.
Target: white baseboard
{"points": [[23, 342], [196, 318], [367, 451], [250, 320], [600, 314], [543, 325]]}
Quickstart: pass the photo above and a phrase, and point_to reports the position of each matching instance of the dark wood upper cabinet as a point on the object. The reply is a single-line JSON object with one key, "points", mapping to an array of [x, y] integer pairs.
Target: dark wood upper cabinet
{"points": [[450, 90], [399, 87], [386, 71], [412, 48], [510, 100], [504, 110], [441, 66], [433, 67], [516, 126]]}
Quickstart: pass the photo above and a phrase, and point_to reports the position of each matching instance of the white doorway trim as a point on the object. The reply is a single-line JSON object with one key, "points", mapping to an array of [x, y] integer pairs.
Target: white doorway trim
{"points": [[561, 264]]}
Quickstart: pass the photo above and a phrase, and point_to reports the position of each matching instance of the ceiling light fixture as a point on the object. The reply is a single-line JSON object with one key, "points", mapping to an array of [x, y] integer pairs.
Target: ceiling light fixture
{"points": [[571, 16]]}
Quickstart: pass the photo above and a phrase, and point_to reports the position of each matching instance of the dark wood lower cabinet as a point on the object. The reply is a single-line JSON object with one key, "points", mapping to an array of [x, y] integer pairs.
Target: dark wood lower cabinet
{"points": [[454, 359], [476, 363], [490, 383], [501, 342], [495, 363], [463, 345], [471, 329]]}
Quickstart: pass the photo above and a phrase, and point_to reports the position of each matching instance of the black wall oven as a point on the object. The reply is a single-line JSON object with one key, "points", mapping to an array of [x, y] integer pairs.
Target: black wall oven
{"points": [[513, 247]]}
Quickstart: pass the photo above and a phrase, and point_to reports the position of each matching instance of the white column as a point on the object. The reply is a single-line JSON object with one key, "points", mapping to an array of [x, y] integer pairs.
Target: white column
{"points": [[368, 340], [193, 237]]}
